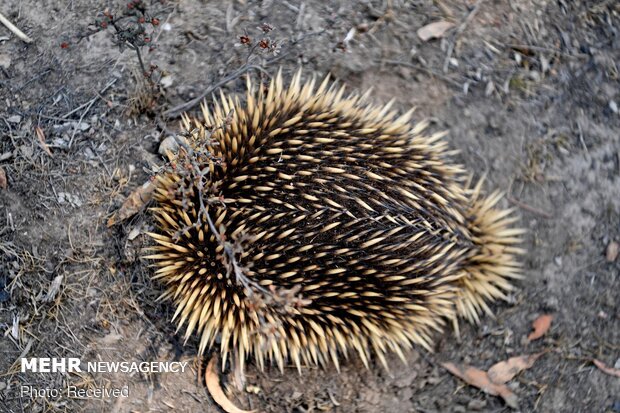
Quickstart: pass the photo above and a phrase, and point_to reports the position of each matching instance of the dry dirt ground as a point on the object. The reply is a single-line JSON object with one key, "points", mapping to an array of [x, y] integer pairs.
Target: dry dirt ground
{"points": [[530, 95]]}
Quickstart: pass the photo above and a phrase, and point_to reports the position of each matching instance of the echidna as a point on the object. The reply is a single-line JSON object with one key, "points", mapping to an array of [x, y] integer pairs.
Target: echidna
{"points": [[353, 217]]}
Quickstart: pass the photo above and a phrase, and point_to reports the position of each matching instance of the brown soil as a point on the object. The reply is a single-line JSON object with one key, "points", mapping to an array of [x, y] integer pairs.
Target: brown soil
{"points": [[530, 97]]}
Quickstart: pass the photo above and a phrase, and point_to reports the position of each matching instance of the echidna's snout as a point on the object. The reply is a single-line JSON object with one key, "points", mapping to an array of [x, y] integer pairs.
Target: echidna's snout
{"points": [[306, 224]]}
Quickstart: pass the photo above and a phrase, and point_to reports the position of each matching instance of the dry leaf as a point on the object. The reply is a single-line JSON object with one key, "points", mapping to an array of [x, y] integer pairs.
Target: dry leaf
{"points": [[541, 326], [3, 181], [479, 378], [54, 288], [213, 385], [612, 251], [134, 203], [15, 328], [434, 30], [134, 233], [608, 370], [111, 338], [504, 371], [41, 137]]}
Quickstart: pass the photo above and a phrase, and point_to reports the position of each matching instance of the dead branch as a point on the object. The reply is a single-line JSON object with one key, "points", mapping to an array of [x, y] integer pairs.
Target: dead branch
{"points": [[14, 29]]}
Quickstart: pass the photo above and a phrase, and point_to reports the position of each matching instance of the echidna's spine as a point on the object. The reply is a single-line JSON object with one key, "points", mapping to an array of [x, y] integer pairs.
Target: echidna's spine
{"points": [[492, 263]]}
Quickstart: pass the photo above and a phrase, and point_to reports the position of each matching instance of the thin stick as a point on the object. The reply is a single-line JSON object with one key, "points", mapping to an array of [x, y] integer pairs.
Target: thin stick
{"points": [[534, 48], [190, 104], [460, 30], [529, 208], [90, 104], [422, 68], [184, 107], [14, 29]]}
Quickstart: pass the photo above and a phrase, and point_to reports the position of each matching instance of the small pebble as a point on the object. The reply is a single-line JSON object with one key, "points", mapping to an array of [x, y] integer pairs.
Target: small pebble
{"points": [[489, 89], [5, 61], [168, 144], [534, 75], [612, 251], [476, 405], [166, 81], [3, 181]]}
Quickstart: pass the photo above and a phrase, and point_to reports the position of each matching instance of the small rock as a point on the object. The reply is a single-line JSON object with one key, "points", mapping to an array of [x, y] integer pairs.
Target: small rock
{"points": [[552, 303], [372, 397], [60, 143], [111, 338], [406, 393], [26, 151], [83, 126], [476, 405], [612, 251], [613, 106], [544, 64], [14, 119], [5, 60], [406, 379], [534, 75], [89, 154], [489, 89], [518, 58], [558, 261], [58, 129], [166, 81], [168, 144], [3, 181], [134, 233], [73, 200]]}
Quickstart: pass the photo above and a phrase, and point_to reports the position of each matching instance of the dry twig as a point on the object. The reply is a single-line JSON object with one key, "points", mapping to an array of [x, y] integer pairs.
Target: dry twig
{"points": [[88, 106], [14, 29], [184, 107], [422, 68], [459, 31], [529, 208]]}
